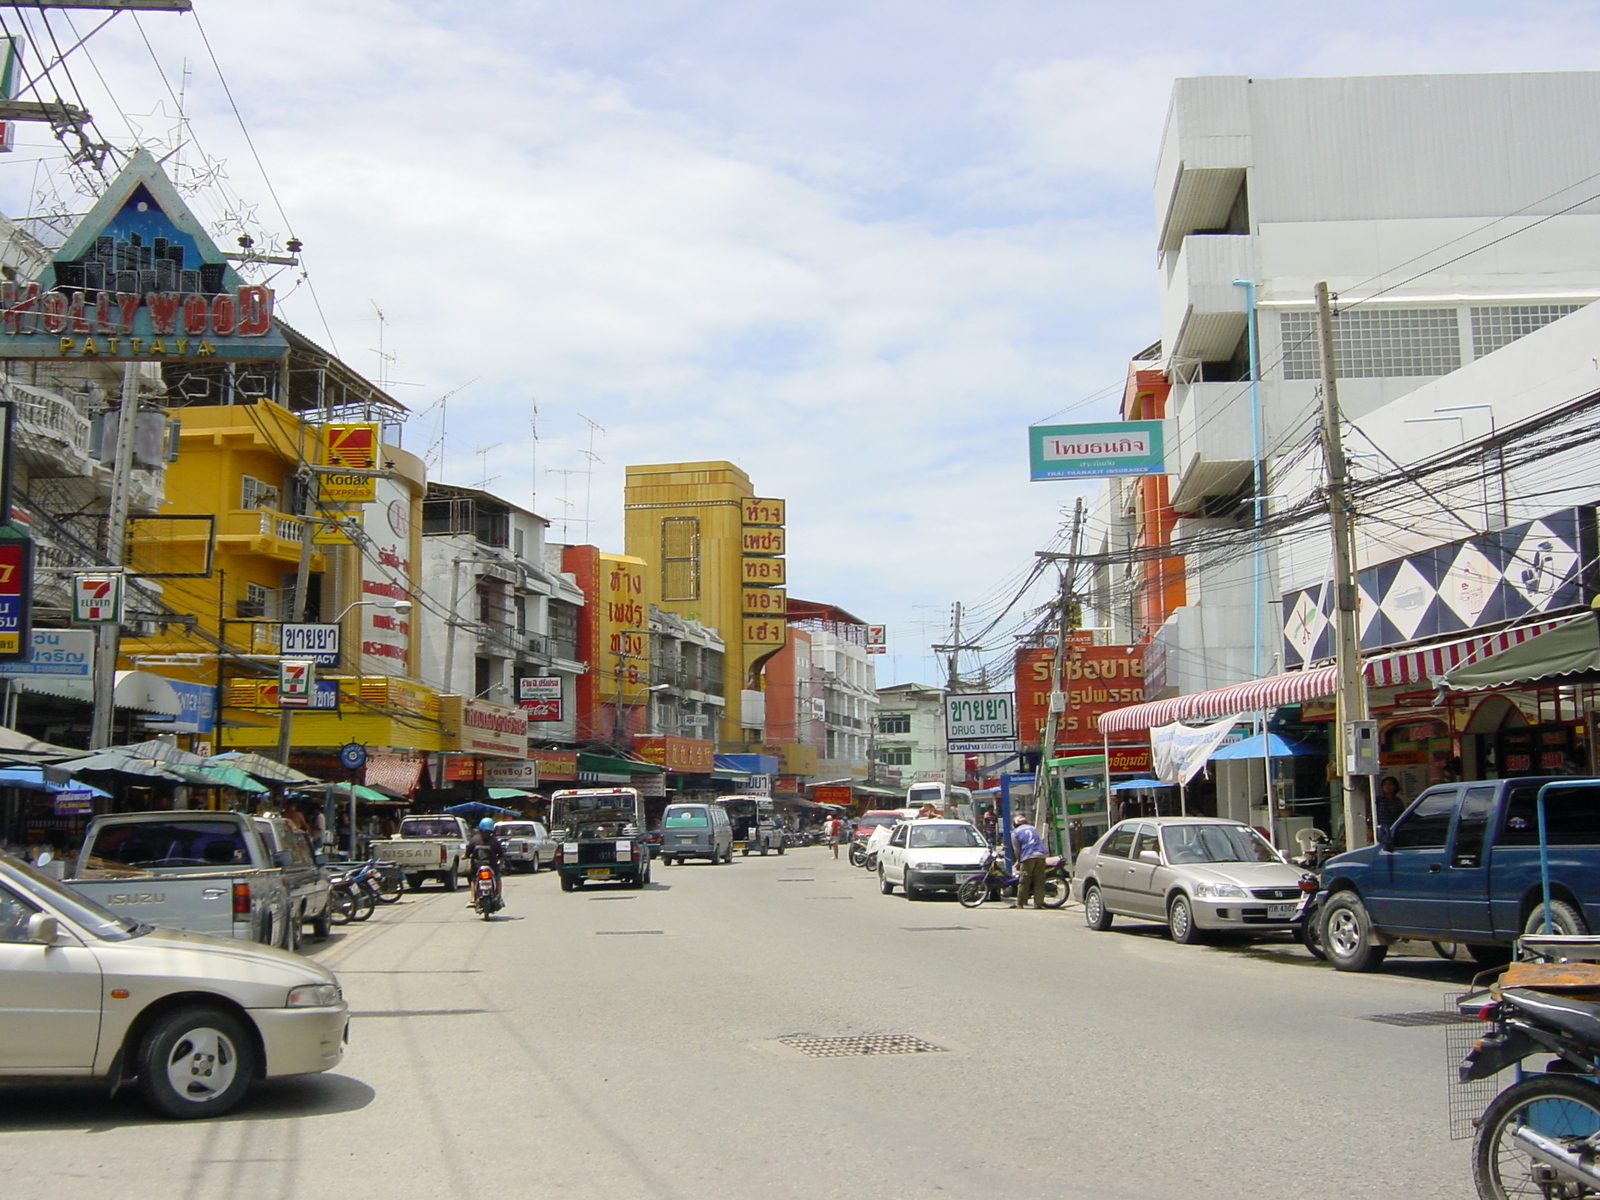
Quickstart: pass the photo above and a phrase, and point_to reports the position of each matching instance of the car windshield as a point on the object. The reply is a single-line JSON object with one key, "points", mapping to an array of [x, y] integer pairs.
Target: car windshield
{"points": [[687, 818], [1215, 844], [424, 827], [194, 842], [872, 820], [949, 837], [514, 830], [73, 905]]}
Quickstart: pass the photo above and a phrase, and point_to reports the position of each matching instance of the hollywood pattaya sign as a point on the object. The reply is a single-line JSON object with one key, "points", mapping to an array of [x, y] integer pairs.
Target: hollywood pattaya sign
{"points": [[138, 279]]}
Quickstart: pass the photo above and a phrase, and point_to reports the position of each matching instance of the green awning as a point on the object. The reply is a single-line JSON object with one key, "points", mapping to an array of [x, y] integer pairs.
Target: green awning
{"points": [[1570, 649], [508, 794], [604, 764]]}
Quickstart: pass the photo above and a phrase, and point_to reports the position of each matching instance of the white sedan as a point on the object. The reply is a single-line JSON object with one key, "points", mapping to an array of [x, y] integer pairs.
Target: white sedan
{"points": [[930, 855], [86, 994]]}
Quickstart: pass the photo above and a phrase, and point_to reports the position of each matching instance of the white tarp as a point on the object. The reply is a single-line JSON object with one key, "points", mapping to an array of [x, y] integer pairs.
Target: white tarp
{"points": [[1178, 751]]}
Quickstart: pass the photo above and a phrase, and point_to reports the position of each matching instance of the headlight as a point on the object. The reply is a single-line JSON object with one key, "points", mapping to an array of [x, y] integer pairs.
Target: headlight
{"points": [[315, 995], [1221, 891], [930, 867]]}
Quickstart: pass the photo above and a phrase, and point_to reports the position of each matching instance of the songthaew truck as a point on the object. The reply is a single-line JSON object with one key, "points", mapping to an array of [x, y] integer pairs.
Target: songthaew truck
{"points": [[600, 837]]}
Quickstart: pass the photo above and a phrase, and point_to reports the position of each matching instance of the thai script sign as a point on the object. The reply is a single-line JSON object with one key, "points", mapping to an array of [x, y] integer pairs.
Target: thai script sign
{"points": [[56, 652], [1102, 450], [1094, 679]]}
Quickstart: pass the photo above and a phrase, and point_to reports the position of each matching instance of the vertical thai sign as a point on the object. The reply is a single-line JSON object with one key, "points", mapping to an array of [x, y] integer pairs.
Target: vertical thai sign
{"points": [[762, 544], [625, 634], [386, 575]]}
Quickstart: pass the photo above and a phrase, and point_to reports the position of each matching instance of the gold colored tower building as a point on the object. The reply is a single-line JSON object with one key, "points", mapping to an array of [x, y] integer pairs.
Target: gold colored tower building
{"points": [[714, 554]]}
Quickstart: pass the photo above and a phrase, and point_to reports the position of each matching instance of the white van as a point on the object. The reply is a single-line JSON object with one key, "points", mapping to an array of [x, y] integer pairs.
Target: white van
{"points": [[948, 800]]}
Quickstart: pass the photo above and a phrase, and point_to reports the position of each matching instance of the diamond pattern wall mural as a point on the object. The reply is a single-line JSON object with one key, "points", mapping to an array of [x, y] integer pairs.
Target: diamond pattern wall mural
{"points": [[1536, 567]]}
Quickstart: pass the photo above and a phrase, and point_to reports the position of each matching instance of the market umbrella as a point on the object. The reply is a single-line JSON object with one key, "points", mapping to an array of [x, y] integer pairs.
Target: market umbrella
{"points": [[262, 767], [32, 778], [222, 775], [474, 808], [1268, 746], [1130, 785], [14, 745], [508, 794], [120, 762], [163, 752]]}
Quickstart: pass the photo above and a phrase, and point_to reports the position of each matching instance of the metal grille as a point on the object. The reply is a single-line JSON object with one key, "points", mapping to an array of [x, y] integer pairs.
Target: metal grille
{"points": [[861, 1044], [1377, 343], [1275, 893], [1421, 1018], [1504, 324], [1467, 1100]]}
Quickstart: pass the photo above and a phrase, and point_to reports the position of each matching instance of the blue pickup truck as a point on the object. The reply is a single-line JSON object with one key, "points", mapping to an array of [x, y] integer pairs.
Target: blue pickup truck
{"points": [[1461, 864]]}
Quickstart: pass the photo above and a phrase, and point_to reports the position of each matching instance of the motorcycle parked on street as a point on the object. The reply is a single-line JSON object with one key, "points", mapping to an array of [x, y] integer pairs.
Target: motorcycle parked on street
{"points": [[995, 882], [1540, 1136], [350, 898], [486, 894]]}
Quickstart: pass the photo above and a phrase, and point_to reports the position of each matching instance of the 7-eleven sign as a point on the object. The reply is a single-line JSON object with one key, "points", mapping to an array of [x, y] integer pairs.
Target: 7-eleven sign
{"points": [[297, 681], [354, 446], [97, 599]]}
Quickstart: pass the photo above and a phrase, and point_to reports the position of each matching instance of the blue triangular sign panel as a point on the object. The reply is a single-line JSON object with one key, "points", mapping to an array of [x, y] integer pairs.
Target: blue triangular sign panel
{"points": [[139, 279]]}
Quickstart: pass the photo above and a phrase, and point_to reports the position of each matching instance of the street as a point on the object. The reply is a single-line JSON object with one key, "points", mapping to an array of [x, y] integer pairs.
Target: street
{"points": [[612, 1042]]}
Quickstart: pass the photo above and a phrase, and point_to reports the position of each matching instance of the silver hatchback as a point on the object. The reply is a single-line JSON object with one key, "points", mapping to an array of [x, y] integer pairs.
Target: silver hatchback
{"points": [[1196, 874]]}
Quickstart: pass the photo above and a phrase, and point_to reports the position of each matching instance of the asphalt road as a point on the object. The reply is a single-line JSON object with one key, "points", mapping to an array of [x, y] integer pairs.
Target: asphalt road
{"points": [[616, 1043]]}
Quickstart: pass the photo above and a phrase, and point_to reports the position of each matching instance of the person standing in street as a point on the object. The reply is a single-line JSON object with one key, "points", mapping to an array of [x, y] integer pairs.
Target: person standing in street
{"points": [[831, 829], [1029, 849]]}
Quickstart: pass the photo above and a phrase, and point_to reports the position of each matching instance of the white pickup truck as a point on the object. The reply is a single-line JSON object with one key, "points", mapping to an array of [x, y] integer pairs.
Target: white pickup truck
{"points": [[207, 872], [429, 847]]}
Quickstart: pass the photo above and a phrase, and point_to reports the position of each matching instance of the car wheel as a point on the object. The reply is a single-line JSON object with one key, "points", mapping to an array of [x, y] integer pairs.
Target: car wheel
{"points": [[414, 882], [450, 880], [568, 883], [532, 866], [1564, 920], [321, 926], [1095, 914], [912, 891], [195, 1062], [884, 885], [291, 935], [1345, 931], [1180, 921], [781, 849]]}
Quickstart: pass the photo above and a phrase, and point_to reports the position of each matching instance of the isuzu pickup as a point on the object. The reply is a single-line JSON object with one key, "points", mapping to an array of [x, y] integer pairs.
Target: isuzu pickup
{"points": [[1462, 864]]}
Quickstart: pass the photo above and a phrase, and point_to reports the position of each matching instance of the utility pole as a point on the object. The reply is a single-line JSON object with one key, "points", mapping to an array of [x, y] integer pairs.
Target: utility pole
{"points": [[1352, 695], [953, 648], [297, 602], [108, 636], [1056, 708]]}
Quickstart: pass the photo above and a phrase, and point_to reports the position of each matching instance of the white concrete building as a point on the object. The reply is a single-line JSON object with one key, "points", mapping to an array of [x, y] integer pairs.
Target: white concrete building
{"points": [[849, 696], [513, 617], [1450, 214], [910, 728]]}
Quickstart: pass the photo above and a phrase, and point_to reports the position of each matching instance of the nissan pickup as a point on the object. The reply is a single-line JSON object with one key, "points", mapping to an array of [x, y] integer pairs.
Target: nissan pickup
{"points": [[204, 872], [1462, 864], [429, 847]]}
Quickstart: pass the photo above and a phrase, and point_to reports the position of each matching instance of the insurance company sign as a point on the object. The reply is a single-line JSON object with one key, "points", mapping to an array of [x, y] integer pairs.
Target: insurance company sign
{"points": [[1097, 451]]}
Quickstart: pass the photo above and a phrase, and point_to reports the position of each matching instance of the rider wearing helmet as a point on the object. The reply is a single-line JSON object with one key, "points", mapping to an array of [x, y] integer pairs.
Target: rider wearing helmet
{"points": [[483, 845]]}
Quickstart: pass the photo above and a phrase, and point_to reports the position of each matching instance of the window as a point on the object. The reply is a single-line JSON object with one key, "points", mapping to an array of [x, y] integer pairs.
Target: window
{"points": [[259, 603], [1504, 324], [14, 914], [1475, 805], [680, 558], [1427, 825], [1147, 841], [255, 493], [894, 723], [1571, 814], [1374, 343], [895, 756], [1119, 843], [175, 843]]}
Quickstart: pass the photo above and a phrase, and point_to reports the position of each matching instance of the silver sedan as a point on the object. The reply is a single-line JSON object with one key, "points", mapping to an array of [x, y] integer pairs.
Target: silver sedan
{"points": [[1196, 874]]}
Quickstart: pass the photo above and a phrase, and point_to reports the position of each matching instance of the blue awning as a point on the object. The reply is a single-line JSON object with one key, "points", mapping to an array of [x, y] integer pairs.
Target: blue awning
{"points": [[1274, 747], [750, 764], [1132, 785]]}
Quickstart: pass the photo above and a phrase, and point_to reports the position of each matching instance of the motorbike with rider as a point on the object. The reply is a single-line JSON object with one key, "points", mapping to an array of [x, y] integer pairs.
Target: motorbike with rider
{"points": [[487, 854]]}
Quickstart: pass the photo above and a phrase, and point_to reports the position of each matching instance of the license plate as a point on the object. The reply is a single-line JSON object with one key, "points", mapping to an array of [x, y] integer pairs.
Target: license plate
{"points": [[599, 873], [1281, 912]]}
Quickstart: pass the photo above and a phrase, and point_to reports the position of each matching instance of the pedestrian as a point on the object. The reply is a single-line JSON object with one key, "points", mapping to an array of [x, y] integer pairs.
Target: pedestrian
{"points": [[1029, 849], [830, 829], [1390, 803], [987, 823]]}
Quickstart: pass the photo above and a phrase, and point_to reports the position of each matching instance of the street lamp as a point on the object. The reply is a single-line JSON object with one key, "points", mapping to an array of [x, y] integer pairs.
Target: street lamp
{"points": [[376, 602]]}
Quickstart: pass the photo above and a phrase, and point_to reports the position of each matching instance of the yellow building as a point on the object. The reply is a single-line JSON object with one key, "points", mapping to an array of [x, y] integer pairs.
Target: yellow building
{"points": [[714, 553]]}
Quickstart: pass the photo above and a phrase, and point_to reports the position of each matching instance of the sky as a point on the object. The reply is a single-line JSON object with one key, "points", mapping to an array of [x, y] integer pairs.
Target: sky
{"points": [[855, 248]]}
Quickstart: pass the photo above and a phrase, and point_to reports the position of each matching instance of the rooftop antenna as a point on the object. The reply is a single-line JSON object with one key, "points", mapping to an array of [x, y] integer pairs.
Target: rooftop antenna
{"points": [[567, 517], [483, 465], [588, 472], [435, 455], [384, 358], [533, 455]]}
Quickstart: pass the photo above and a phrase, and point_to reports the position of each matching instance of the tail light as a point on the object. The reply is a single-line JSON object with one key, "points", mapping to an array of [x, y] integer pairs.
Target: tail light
{"points": [[1489, 1012], [241, 899], [485, 872], [443, 853]]}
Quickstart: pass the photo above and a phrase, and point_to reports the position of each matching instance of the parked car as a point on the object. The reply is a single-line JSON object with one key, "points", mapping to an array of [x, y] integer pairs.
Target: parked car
{"points": [[874, 819], [696, 831], [1462, 864], [932, 855], [195, 1020], [304, 877], [427, 847], [1196, 874], [207, 872], [528, 844]]}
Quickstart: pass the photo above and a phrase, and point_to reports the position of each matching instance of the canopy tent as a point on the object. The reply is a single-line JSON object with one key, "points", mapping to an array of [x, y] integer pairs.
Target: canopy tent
{"points": [[476, 808], [1269, 745], [118, 760], [163, 751], [1134, 785], [263, 768], [1567, 650], [222, 775], [33, 779], [509, 794]]}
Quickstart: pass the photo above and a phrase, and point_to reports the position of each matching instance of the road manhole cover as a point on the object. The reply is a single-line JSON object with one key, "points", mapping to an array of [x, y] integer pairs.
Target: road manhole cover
{"points": [[861, 1044], [1412, 1019], [935, 928], [628, 932]]}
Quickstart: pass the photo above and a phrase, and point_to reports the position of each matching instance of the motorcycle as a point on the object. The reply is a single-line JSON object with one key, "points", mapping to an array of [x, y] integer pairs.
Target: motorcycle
{"points": [[858, 852], [486, 897], [995, 882], [1541, 1135], [350, 898]]}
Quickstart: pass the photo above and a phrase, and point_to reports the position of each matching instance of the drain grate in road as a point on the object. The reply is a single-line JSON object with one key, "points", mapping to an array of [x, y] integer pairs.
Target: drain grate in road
{"points": [[1414, 1019], [935, 928], [861, 1044], [628, 932]]}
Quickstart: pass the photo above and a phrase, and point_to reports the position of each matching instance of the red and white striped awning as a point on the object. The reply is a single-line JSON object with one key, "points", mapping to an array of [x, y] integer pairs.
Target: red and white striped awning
{"points": [[1271, 692], [1424, 666], [1420, 667]]}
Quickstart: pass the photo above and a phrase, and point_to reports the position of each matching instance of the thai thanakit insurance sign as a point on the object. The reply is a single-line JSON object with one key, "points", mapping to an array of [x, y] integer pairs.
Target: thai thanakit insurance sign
{"points": [[1096, 451]]}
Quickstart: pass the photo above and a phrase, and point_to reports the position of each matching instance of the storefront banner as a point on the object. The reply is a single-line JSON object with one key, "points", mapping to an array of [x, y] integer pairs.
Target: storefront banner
{"points": [[692, 756], [56, 652], [1094, 679], [484, 728], [523, 773], [1098, 451], [556, 764], [386, 575], [1178, 751]]}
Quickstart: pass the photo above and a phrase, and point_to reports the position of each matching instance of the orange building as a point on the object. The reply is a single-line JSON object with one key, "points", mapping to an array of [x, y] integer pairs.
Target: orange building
{"points": [[1160, 591]]}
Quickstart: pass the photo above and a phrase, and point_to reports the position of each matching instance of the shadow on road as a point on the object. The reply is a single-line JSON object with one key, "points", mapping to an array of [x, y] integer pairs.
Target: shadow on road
{"points": [[89, 1108]]}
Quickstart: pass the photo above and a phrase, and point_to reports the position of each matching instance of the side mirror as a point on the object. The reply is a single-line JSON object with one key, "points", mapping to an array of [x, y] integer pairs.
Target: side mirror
{"points": [[44, 860], [1150, 856], [44, 929], [284, 858], [1386, 837], [320, 860]]}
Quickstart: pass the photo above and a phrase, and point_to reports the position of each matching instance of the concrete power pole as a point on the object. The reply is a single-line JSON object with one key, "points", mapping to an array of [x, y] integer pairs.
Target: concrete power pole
{"points": [[1352, 695], [1056, 708], [108, 636], [953, 677]]}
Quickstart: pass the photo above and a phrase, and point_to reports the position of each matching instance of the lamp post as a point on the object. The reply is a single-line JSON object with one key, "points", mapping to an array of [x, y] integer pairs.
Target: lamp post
{"points": [[286, 715]]}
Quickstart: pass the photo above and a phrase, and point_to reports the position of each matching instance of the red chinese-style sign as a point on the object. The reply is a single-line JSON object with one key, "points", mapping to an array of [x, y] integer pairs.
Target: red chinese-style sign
{"points": [[691, 755], [1095, 679]]}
